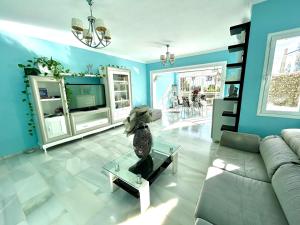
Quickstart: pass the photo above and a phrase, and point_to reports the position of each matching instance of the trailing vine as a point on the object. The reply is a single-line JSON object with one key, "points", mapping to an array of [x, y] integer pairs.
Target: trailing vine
{"points": [[30, 113], [33, 67], [49, 67]]}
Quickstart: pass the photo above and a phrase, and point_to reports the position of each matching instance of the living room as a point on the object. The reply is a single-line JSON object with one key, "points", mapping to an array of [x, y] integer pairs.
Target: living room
{"points": [[84, 142]]}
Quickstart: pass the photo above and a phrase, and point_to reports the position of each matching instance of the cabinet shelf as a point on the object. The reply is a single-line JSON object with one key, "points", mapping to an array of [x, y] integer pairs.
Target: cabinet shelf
{"points": [[121, 91], [228, 128], [124, 100], [229, 114], [121, 81], [50, 99], [236, 48]]}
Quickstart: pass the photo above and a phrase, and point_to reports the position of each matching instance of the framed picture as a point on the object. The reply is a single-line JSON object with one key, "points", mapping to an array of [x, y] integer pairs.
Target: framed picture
{"points": [[43, 92]]}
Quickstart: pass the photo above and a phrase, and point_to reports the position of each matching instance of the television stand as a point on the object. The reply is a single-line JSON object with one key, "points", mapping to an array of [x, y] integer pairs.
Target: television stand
{"points": [[84, 121]]}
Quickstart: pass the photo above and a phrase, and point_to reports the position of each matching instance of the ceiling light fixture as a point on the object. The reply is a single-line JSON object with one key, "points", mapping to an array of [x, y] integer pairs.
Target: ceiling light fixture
{"points": [[96, 36], [167, 58]]}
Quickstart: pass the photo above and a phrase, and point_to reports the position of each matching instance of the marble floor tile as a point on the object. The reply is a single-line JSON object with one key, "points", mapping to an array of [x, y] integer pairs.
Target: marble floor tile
{"points": [[67, 186], [11, 211], [47, 212]]}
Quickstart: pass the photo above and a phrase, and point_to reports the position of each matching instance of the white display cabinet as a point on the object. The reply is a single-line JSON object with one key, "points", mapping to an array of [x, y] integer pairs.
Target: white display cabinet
{"points": [[118, 82], [51, 109]]}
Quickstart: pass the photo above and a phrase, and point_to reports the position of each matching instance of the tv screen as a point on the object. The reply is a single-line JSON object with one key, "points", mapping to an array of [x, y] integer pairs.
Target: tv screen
{"points": [[85, 96]]}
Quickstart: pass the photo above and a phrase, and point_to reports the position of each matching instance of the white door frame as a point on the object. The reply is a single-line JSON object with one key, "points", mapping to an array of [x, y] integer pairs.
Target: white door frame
{"points": [[154, 73]]}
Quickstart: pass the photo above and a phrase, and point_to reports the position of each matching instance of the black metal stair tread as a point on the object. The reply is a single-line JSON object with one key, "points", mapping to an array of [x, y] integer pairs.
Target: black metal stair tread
{"points": [[235, 48], [228, 128], [233, 82], [229, 114], [231, 99], [239, 28], [235, 65]]}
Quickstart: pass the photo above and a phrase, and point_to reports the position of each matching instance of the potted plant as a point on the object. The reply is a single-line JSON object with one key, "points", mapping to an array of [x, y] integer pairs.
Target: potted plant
{"points": [[44, 66], [30, 68], [136, 123], [51, 67]]}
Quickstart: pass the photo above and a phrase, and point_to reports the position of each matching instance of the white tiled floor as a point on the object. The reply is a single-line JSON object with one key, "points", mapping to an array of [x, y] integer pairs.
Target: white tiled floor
{"points": [[68, 187]]}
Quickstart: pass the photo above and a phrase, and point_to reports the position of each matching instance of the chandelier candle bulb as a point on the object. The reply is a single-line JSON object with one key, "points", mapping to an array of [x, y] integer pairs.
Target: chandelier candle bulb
{"points": [[86, 34], [100, 25], [77, 24], [107, 35]]}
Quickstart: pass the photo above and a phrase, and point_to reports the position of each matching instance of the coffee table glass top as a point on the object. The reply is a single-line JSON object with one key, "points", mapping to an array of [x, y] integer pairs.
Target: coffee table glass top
{"points": [[122, 166]]}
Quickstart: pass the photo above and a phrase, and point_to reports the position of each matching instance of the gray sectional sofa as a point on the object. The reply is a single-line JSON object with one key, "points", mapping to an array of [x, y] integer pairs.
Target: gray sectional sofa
{"points": [[252, 181]]}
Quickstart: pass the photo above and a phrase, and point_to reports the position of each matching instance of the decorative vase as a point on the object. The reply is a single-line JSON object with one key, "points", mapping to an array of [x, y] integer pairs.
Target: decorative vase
{"points": [[142, 141]]}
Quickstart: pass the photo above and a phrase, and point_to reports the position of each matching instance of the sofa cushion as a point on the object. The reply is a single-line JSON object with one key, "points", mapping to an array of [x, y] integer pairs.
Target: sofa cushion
{"points": [[230, 199], [200, 221], [292, 138], [156, 114], [286, 183], [243, 163], [275, 152], [241, 141]]}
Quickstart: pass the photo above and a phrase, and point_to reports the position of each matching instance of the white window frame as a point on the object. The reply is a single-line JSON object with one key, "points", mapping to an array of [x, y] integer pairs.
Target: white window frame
{"points": [[267, 73]]}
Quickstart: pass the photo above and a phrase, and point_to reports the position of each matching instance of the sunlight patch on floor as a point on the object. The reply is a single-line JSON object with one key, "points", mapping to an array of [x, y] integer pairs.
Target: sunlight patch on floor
{"points": [[154, 215], [185, 123]]}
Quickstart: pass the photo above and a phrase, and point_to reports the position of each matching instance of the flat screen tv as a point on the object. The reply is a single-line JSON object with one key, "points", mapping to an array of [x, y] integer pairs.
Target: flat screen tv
{"points": [[84, 97]]}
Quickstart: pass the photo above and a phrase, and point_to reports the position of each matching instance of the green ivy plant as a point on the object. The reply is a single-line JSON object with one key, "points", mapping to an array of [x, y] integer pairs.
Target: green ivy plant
{"points": [[32, 68], [54, 67], [30, 113], [102, 74]]}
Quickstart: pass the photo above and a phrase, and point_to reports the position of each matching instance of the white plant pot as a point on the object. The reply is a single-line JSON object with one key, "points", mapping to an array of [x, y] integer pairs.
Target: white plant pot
{"points": [[44, 70]]}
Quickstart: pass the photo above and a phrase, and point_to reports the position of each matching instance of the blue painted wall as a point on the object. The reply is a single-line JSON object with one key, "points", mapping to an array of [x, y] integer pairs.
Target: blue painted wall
{"points": [[267, 17], [163, 84], [13, 50], [192, 60]]}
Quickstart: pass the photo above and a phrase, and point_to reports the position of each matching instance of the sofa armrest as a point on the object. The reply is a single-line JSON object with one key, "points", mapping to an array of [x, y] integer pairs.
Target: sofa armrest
{"points": [[241, 141]]}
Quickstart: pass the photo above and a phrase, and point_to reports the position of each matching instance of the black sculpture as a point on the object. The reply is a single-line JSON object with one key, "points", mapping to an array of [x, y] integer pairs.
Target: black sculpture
{"points": [[136, 124]]}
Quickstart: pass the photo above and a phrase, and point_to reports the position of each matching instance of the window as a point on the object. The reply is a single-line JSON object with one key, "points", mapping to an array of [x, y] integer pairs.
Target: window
{"points": [[280, 89]]}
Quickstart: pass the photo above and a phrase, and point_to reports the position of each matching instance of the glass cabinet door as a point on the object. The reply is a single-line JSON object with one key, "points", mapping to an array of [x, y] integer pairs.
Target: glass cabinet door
{"points": [[52, 109], [121, 91]]}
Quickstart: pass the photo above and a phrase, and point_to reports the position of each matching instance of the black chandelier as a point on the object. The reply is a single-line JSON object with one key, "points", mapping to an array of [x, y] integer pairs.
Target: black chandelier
{"points": [[96, 36]]}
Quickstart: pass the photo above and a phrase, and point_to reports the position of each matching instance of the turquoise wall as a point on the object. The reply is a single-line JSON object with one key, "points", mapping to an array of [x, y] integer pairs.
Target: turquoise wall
{"points": [[13, 50], [163, 83], [267, 17]]}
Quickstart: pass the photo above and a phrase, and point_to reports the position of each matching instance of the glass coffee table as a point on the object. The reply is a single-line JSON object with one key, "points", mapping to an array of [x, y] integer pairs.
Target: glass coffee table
{"points": [[135, 175]]}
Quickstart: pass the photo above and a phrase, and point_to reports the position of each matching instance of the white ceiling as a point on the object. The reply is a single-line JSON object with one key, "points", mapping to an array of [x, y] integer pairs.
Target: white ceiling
{"points": [[139, 28]]}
